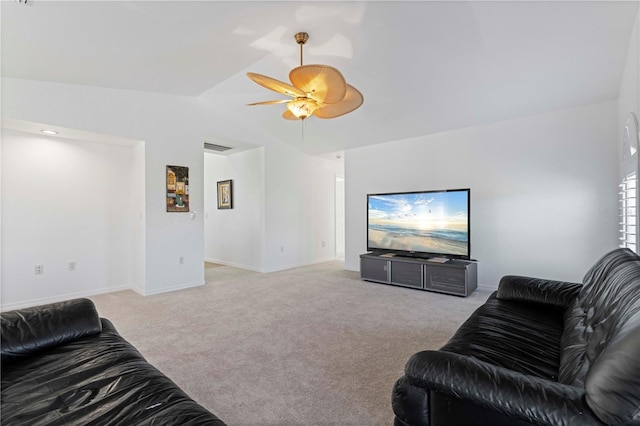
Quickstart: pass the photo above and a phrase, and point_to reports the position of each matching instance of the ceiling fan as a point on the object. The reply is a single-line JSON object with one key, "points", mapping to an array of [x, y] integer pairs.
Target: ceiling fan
{"points": [[318, 90]]}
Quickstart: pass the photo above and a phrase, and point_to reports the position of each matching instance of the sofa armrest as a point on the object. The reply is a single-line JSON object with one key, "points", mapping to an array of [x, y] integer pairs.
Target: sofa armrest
{"points": [[529, 398], [537, 290], [29, 330]]}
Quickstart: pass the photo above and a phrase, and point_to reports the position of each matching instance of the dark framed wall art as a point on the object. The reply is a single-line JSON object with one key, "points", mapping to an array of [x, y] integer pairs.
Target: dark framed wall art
{"points": [[177, 189], [225, 195]]}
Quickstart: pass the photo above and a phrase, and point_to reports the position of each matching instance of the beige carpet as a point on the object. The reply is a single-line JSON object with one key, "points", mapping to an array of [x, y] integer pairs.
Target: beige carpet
{"points": [[308, 346]]}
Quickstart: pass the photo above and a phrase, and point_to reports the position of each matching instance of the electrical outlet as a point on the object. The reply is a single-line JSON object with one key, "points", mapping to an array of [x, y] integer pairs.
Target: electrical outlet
{"points": [[39, 269], [181, 260], [72, 266], [324, 244]]}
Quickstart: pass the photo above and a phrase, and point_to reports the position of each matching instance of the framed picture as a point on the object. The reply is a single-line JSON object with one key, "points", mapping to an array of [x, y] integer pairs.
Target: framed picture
{"points": [[225, 196], [177, 189]]}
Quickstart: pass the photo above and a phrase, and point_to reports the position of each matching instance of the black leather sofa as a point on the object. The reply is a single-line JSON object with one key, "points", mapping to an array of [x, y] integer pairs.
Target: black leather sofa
{"points": [[64, 365], [538, 352]]}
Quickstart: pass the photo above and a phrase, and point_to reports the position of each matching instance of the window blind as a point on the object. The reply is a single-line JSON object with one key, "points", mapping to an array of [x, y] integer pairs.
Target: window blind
{"points": [[628, 217]]}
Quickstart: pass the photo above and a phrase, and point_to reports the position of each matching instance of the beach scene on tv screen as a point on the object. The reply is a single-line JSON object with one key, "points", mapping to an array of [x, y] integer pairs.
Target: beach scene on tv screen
{"points": [[435, 222]]}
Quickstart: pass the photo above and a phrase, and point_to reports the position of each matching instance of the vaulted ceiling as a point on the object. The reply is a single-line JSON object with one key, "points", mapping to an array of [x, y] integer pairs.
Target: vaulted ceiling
{"points": [[423, 66]]}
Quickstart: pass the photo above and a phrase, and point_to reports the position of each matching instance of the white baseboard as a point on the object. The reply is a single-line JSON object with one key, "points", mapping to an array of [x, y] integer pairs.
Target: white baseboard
{"points": [[89, 293], [487, 287], [61, 298], [233, 264], [267, 270], [286, 267], [167, 289]]}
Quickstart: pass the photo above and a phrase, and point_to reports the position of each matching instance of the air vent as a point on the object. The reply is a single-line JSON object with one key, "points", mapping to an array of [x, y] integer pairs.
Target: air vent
{"points": [[214, 147]]}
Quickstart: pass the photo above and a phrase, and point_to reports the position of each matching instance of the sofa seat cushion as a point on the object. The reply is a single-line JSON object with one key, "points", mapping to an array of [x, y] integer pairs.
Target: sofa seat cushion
{"points": [[517, 336], [100, 380]]}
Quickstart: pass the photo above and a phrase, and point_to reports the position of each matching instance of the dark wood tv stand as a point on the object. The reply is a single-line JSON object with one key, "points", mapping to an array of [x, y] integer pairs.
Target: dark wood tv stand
{"points": [[458, 277]]}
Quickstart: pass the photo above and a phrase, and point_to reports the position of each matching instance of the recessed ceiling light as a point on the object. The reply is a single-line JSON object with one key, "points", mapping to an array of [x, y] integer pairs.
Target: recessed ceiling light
{"points": [[49, 132]]}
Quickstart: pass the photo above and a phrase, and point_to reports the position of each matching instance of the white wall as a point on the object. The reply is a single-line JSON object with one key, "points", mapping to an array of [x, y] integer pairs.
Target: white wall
{"points": [[173, 128], [138, 203], [236, 236], [283, 212], [340, 213], [67, 201], [629, 96], [300, 208], [543, 189]]}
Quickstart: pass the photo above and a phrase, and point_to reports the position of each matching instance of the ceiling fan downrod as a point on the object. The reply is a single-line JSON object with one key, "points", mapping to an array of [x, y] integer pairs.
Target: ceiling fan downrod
{"points": [[301, 39]]}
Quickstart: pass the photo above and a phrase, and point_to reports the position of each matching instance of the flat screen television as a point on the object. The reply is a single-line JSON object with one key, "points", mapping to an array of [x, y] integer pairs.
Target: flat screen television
{"points": [[420, 224]]}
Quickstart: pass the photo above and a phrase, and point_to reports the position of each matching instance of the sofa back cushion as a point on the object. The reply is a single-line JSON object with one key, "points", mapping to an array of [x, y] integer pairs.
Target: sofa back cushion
{"points": [[573, 361], [30, 330], [594, 281], [613, 382], [601, 338]]}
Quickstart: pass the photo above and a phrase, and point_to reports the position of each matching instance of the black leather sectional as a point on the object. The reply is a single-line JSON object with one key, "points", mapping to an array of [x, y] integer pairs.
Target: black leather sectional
{"points": [[64, 365], [538, 352]]}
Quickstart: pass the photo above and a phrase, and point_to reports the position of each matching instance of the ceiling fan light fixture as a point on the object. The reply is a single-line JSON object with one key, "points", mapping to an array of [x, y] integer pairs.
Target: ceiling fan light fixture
{"points": [[302, 107]]}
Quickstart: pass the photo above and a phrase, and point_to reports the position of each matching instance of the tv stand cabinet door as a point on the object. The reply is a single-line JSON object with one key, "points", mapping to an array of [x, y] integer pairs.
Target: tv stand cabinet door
{"points": [[375, 269], [460, 280], [406, 273]]}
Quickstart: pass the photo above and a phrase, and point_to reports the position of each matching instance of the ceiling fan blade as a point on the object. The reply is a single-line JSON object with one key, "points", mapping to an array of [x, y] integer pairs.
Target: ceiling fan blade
{"points": [[288, 115], [321, 83], [276, 85], [281, 101], [352, 100]]}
